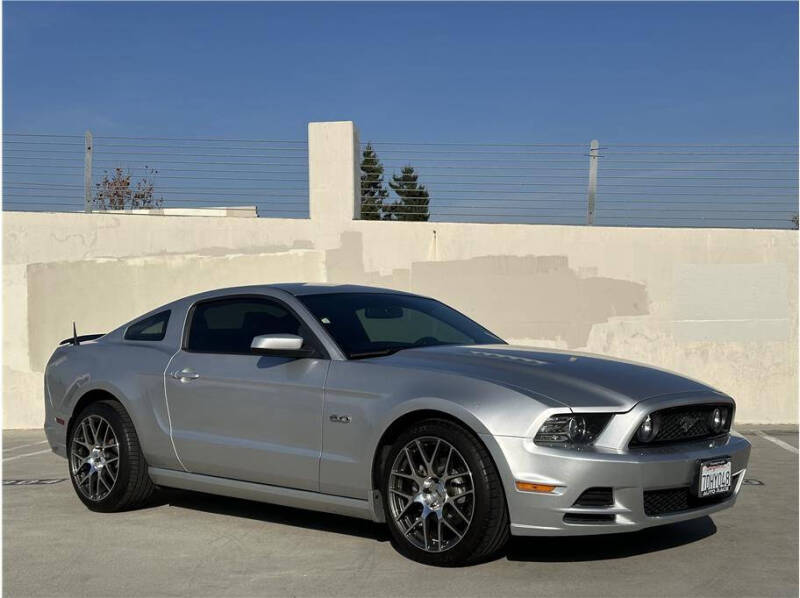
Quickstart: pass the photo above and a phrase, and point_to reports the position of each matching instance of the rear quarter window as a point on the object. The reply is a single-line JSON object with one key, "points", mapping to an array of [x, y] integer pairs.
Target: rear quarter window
{"points": [[153, 328]]}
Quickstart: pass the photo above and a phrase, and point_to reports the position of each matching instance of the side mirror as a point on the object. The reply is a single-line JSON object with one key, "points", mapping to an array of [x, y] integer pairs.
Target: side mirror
{"points": [[280, 345]]}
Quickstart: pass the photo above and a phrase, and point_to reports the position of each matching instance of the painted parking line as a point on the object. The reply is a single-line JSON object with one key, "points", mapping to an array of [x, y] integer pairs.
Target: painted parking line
{"points": [[35, 482], [14, 448], [25, 455], [780, 443]]}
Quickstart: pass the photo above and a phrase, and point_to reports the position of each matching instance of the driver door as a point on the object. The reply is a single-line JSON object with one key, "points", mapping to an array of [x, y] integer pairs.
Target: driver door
{"points": [[243, 416]]}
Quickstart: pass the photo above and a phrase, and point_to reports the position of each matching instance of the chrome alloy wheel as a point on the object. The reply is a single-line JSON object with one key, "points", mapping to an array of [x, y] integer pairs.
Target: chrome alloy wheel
{"points": [[431, 494], [94, 457]]}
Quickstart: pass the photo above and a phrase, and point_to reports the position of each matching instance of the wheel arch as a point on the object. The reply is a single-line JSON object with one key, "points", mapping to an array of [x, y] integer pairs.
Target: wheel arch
{"points": [[402, 422], [94, 395], [499, 533]]}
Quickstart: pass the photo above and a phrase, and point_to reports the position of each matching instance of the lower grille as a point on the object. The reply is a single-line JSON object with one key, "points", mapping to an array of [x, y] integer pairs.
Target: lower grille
{"points": [[677, 500], [595, 497], [588, 518]]}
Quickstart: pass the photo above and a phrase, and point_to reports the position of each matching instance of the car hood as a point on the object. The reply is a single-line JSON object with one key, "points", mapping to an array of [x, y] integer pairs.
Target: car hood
{"points": [[565, 377]]}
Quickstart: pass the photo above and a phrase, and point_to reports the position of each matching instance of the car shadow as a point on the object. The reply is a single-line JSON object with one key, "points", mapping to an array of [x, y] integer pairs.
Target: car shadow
{"points": [[526, 549], [270, 513], [609, 546]]}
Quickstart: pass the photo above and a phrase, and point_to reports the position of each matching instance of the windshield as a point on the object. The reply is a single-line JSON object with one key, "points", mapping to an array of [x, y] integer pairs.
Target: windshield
{"points": [[372, 324]]}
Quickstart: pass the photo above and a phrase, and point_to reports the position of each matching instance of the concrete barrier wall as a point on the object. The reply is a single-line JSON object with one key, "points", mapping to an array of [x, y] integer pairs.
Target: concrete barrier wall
{"points": [[719, 305]]}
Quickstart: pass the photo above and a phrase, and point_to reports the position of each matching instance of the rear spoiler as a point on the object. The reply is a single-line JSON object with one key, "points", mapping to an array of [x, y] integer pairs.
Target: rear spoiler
{"points": [[77, 340]]}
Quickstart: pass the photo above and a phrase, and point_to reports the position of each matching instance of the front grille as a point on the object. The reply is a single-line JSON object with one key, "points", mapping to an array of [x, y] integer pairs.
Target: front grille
{"points": [[677, 500], [691, 422], [595, 497]]}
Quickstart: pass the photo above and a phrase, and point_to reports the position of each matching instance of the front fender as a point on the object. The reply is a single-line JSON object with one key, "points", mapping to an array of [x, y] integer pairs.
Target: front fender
{"points": [[440, 404], [373, 396]]}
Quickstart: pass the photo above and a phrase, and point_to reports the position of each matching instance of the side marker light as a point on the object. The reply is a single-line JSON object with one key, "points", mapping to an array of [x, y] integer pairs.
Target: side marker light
{"points": [[530, 487]]}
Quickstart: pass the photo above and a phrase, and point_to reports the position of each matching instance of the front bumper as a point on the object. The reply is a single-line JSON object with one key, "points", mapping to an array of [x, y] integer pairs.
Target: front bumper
{"points": [[629, 473]]}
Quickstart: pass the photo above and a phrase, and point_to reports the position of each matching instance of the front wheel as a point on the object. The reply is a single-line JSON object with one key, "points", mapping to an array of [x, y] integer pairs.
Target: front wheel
{"points": [[106, 464], [443, 497]]}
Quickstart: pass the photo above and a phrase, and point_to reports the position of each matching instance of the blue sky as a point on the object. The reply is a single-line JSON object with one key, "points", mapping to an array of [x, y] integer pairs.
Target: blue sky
{"points": [[701, 72]]}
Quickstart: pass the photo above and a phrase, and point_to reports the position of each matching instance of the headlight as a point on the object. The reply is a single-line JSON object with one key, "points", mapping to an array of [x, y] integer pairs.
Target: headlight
{"points": [[648, 429], [572, 430]]}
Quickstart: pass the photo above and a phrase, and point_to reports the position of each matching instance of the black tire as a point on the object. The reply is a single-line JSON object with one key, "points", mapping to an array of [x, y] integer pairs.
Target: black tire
{"points": [[489, 529], [133, 486]]}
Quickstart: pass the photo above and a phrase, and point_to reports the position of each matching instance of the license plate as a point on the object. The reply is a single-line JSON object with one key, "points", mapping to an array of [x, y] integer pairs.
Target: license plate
{"points": [[715, 477]]}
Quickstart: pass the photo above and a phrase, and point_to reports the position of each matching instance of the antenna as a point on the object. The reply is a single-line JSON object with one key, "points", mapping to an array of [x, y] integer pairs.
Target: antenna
{"points": [[74, 334]]}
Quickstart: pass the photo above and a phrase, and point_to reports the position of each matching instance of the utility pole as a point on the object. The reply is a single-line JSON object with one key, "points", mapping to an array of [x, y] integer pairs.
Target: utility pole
{"points": [[87, 173], [592, 192]]}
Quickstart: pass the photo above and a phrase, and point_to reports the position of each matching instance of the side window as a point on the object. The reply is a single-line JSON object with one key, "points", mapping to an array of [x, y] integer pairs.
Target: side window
{"points": [[150, 329], [229, 325]]}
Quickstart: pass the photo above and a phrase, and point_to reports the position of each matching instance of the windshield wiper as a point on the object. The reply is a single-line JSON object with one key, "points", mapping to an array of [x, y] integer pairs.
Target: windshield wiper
{"points": [[390, 350], [378, 353]]}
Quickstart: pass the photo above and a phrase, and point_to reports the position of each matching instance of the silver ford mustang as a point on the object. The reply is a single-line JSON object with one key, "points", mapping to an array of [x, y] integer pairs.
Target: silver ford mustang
{"points": [[387, 406]]}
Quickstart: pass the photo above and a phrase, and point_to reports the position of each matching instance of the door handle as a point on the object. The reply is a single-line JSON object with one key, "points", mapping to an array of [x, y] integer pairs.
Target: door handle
{"points": [[185, 374]]}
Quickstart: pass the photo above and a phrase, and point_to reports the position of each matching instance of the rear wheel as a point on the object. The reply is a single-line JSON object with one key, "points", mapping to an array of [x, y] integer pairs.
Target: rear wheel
{"points": [[443, 497], [106, 465]]}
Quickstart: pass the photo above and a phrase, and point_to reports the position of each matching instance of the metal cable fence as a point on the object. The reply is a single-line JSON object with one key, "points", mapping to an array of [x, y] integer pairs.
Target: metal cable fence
{"points": [[737, 186], [257, 176], [745, 186]]}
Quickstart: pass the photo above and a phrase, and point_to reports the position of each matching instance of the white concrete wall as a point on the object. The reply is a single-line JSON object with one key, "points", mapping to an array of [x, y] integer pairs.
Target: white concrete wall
{"points": [[714, 304], [229, 211]]}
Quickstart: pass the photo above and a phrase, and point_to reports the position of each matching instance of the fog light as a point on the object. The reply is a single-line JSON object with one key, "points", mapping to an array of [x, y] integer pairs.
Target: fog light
{"points": [[648, 430], [717, 420]]}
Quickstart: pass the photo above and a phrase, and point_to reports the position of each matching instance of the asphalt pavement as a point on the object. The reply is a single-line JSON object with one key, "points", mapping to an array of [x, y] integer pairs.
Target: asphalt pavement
{"points": [[190, 544]]}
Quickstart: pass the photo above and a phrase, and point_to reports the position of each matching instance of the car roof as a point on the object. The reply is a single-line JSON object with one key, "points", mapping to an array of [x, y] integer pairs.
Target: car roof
{"points": [[298, 289], [302, 288]]}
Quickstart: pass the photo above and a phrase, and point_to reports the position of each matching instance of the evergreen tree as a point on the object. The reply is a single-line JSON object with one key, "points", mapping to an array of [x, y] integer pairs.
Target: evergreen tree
{"points": [[373, 191], [414, 198]]}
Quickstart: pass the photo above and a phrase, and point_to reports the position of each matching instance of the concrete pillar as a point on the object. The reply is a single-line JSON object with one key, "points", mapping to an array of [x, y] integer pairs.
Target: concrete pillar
{"points": [[334, 182]]}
